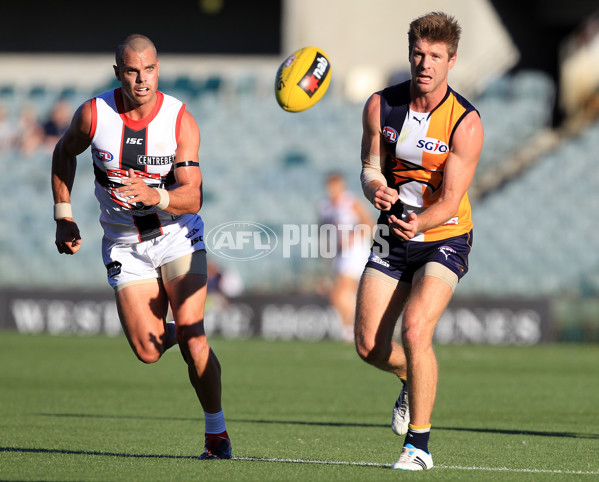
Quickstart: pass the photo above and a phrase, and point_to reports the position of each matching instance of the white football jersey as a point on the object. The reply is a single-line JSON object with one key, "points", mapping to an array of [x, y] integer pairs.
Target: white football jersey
{"points": [[147, 146]]}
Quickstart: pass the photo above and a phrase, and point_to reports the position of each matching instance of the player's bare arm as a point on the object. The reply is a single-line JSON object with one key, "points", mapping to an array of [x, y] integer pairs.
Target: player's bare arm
{"points": [[64, 165], [374, 184], [458, 174], [187, 197]]}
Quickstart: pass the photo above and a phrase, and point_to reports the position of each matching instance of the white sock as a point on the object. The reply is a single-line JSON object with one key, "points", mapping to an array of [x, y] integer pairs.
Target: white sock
{"points": [[215, 422]]}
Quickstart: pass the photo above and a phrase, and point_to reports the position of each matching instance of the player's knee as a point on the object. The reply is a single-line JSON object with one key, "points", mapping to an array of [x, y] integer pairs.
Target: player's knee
{"points": [[148, 354], [370, 351], [194, 344], [415, 336], [192, 341], [188, 333]]}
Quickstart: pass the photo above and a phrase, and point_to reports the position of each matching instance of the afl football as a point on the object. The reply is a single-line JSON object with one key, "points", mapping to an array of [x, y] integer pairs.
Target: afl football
{"points": [[302, 79]]}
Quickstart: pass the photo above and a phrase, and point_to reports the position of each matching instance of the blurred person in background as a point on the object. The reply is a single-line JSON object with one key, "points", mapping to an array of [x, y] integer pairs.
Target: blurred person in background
{"points": [[223, 284], [352, 224], [225, 281], [421, 143], [144, 146], [8, 133], [57, 123], [30, 135]]}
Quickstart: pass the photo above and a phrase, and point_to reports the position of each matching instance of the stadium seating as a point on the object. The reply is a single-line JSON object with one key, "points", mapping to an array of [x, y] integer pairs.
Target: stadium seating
{"points": [[538, 235], [534, 236], [513, 109]]}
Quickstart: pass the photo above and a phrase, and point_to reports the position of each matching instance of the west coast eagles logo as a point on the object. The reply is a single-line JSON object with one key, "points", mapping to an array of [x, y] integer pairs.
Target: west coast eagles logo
{"points": [[405, 171]]}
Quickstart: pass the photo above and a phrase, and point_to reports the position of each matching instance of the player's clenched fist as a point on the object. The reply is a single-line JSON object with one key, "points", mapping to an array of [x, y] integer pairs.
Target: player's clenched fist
{"points": [[68, 239], [384, 197]]}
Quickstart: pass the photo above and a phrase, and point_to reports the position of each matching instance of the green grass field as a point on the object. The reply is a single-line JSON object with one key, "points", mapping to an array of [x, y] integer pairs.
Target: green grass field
{"points": [[83, 408]]}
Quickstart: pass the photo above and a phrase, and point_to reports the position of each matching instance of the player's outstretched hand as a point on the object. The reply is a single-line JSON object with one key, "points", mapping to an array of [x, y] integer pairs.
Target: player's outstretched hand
{"points": [[68, 239], [136, 190]]}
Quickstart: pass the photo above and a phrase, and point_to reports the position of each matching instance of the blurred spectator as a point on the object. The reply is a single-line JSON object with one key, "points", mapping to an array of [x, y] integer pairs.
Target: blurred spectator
{"points": [[226, 282], [30, 134], [57, 123], [7, 130], [351, 225]]}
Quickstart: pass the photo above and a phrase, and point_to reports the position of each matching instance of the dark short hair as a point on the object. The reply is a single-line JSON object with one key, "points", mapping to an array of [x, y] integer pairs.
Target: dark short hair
{"points": [[136, 42]]}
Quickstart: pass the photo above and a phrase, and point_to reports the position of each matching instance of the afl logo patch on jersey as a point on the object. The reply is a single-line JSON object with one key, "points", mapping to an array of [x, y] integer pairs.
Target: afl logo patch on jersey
{"points": [[390, 134], [102, 155]]}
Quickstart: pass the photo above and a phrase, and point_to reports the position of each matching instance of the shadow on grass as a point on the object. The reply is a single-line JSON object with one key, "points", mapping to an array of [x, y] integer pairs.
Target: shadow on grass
{"points": [[592, 436], [436, 427], [94, 452], [23, 450]]}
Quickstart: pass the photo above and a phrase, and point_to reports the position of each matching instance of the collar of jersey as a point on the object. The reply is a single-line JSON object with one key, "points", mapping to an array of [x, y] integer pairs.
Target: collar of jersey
{"points": [[137, 125]]}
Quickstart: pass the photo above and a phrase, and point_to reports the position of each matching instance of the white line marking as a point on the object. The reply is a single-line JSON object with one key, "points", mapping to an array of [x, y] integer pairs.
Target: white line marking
{"points": [[508, 469], [451, 467], [310, 461]]}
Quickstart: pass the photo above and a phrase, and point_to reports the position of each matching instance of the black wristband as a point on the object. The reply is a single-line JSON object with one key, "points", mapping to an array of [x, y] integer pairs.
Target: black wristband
{"points": [[187, 164]]}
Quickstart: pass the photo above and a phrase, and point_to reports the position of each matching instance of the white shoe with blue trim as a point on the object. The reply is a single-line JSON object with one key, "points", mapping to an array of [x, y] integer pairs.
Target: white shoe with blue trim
{"points": [[412, 458]]}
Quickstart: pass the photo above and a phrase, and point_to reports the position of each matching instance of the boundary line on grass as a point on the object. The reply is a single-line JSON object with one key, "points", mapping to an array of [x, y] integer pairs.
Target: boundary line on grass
{"points": [[452, 467], [528, 471], [309, 461], [282, 460]]}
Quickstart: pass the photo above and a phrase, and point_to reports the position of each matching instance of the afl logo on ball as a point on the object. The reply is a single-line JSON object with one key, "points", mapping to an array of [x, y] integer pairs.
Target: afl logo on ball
{"points": [[390, 134], [289, 61]]}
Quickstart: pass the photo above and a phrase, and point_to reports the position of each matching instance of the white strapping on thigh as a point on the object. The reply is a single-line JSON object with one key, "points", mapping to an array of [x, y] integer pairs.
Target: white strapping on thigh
{"points": [[119, 287], [438, 271], [380, 275], [192, 263]]}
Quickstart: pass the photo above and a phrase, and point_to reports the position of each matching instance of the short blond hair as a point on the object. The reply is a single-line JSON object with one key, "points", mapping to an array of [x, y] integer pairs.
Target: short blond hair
{"points": [[436, 27]]}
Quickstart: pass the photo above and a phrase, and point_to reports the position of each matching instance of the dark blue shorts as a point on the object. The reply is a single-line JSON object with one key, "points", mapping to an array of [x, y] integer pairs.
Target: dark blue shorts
{"points": [[401, 259]]}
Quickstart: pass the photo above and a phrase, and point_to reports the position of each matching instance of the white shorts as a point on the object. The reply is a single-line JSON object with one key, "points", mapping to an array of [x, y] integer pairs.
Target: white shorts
{"points": [[351, 262], [141, 262]]}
